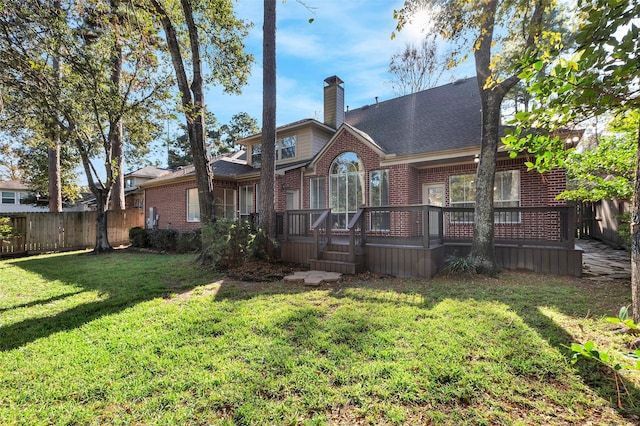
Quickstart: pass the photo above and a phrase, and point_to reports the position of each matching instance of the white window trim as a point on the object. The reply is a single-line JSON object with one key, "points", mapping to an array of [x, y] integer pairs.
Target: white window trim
{"points": [[195, 219], [8, 192], [472, 203]]}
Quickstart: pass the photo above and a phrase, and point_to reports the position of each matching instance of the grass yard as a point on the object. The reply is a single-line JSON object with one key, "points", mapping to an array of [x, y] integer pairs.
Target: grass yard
{"points": [[139, 338]]}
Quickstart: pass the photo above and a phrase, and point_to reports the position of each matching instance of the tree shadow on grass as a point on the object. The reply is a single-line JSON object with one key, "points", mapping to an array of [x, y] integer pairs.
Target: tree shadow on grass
{"points": [[517, 291], [116, 291]]}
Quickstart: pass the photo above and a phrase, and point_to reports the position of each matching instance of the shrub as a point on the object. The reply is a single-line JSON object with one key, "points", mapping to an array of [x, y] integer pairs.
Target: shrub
{"points": [[465, 265], [6, 230], [189, 242], [138, 237], [624, 229], [163, 239], [227, 243]]}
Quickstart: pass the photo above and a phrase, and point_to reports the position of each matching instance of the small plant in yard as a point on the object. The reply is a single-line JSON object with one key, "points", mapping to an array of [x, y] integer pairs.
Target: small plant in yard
{"points": [[228, 243], [6, 230], [455, 264], [139, 237], [163, 239], [189, 242], [615, 363]]}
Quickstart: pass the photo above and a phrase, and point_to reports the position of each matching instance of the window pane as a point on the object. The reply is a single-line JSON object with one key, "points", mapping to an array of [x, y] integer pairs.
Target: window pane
{"points": [[462, 190], [26, 198], [507, 186], [246, 200], [288, 147], [8, 197], [193, 205], [379, 188], [346, 188], [256, 154], [224, 203], [316, 193]]}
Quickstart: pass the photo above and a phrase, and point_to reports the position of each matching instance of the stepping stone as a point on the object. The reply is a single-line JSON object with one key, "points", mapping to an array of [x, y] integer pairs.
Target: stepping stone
{"points": [[313, 278]]}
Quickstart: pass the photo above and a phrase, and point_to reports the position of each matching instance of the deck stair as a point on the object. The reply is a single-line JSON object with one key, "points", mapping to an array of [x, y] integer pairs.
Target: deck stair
{"points": [[336, 258]]}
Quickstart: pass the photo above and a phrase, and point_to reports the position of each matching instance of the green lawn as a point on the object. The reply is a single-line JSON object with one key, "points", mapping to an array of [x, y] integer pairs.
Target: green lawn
{"points": [[138, 338]]}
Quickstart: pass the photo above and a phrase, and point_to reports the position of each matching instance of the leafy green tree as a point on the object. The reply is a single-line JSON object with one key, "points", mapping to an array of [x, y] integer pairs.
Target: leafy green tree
{"points": [[496, 33], [606, 171], [602, 77], [220, 139], [197, 31], [29, 70], [9, 161], [90, 64]]}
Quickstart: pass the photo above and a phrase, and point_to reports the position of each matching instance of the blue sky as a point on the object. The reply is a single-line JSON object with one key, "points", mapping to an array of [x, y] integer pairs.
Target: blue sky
{"points": [[348, 38]]}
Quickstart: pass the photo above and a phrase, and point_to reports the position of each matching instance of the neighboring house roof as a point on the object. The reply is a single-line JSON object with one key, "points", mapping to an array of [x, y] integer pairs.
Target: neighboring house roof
{"points": [[229, 165], [151, 172], [14, 185], [442, 118]]}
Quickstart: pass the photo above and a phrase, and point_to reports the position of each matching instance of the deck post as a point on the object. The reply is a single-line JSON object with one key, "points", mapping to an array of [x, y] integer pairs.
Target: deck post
{"points": [[285, 225], [316, 244], [352, 245], [571, 225], [426, 237]]}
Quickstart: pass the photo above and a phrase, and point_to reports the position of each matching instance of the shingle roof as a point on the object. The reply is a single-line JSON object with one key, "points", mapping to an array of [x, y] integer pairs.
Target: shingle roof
{"points": [[149, 171], [443, 118], [14, 185]]}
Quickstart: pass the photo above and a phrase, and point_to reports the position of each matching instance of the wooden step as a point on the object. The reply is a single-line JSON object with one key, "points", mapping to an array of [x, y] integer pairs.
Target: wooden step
{"points": [[350, 268], [340, 256], [337, 247]]}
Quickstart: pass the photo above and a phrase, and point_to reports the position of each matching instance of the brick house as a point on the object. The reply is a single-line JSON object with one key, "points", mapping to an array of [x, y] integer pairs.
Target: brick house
{"points": [[376, 164]]}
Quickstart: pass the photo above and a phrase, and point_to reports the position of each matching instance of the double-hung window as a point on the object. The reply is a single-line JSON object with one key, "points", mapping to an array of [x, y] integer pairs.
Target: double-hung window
{"points": [[8, 197], [286, 148], [224, 203], [316, 192], [193, 205], [379, 220], [506, 193], [246, 200], [256, 155]]}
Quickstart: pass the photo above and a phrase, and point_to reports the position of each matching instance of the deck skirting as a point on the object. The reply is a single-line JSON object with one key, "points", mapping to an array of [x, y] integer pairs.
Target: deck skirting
{"points": [[420, 262]]}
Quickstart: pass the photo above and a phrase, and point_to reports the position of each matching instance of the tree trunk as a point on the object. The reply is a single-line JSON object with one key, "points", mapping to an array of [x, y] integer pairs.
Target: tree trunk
{"points": [[55, 184], [635, 240], [482, 248], [194, 107], [102, 235], [117, 200], [267, 215]]}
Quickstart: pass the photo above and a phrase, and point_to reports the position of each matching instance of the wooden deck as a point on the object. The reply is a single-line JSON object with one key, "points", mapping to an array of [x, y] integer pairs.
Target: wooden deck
{"points": [[415, 240]]}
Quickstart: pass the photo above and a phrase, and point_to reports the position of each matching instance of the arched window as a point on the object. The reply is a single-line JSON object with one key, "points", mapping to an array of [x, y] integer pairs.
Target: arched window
{"points": [[346, 188]]}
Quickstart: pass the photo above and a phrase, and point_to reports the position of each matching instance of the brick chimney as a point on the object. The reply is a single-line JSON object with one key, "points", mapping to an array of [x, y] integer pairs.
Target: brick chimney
{"points": [[333, 102]]}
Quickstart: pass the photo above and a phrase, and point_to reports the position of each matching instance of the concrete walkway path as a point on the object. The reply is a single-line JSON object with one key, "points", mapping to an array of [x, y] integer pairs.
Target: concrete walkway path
{"points": [[601, 262]]}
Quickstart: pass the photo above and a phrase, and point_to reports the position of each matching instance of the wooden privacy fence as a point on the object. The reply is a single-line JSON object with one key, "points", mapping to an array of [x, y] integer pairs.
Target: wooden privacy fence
{"points": [[41, 232]]}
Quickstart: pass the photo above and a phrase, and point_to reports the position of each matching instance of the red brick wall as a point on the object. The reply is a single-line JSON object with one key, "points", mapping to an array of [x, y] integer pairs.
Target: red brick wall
{"points": [[346, 142], [290, 180], [535, 189], [170, 202]]}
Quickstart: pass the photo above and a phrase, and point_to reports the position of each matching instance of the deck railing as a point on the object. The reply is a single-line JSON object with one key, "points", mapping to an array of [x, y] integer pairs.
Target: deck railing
{"points": [[429, 226], [321, 229], [519, 226]]}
